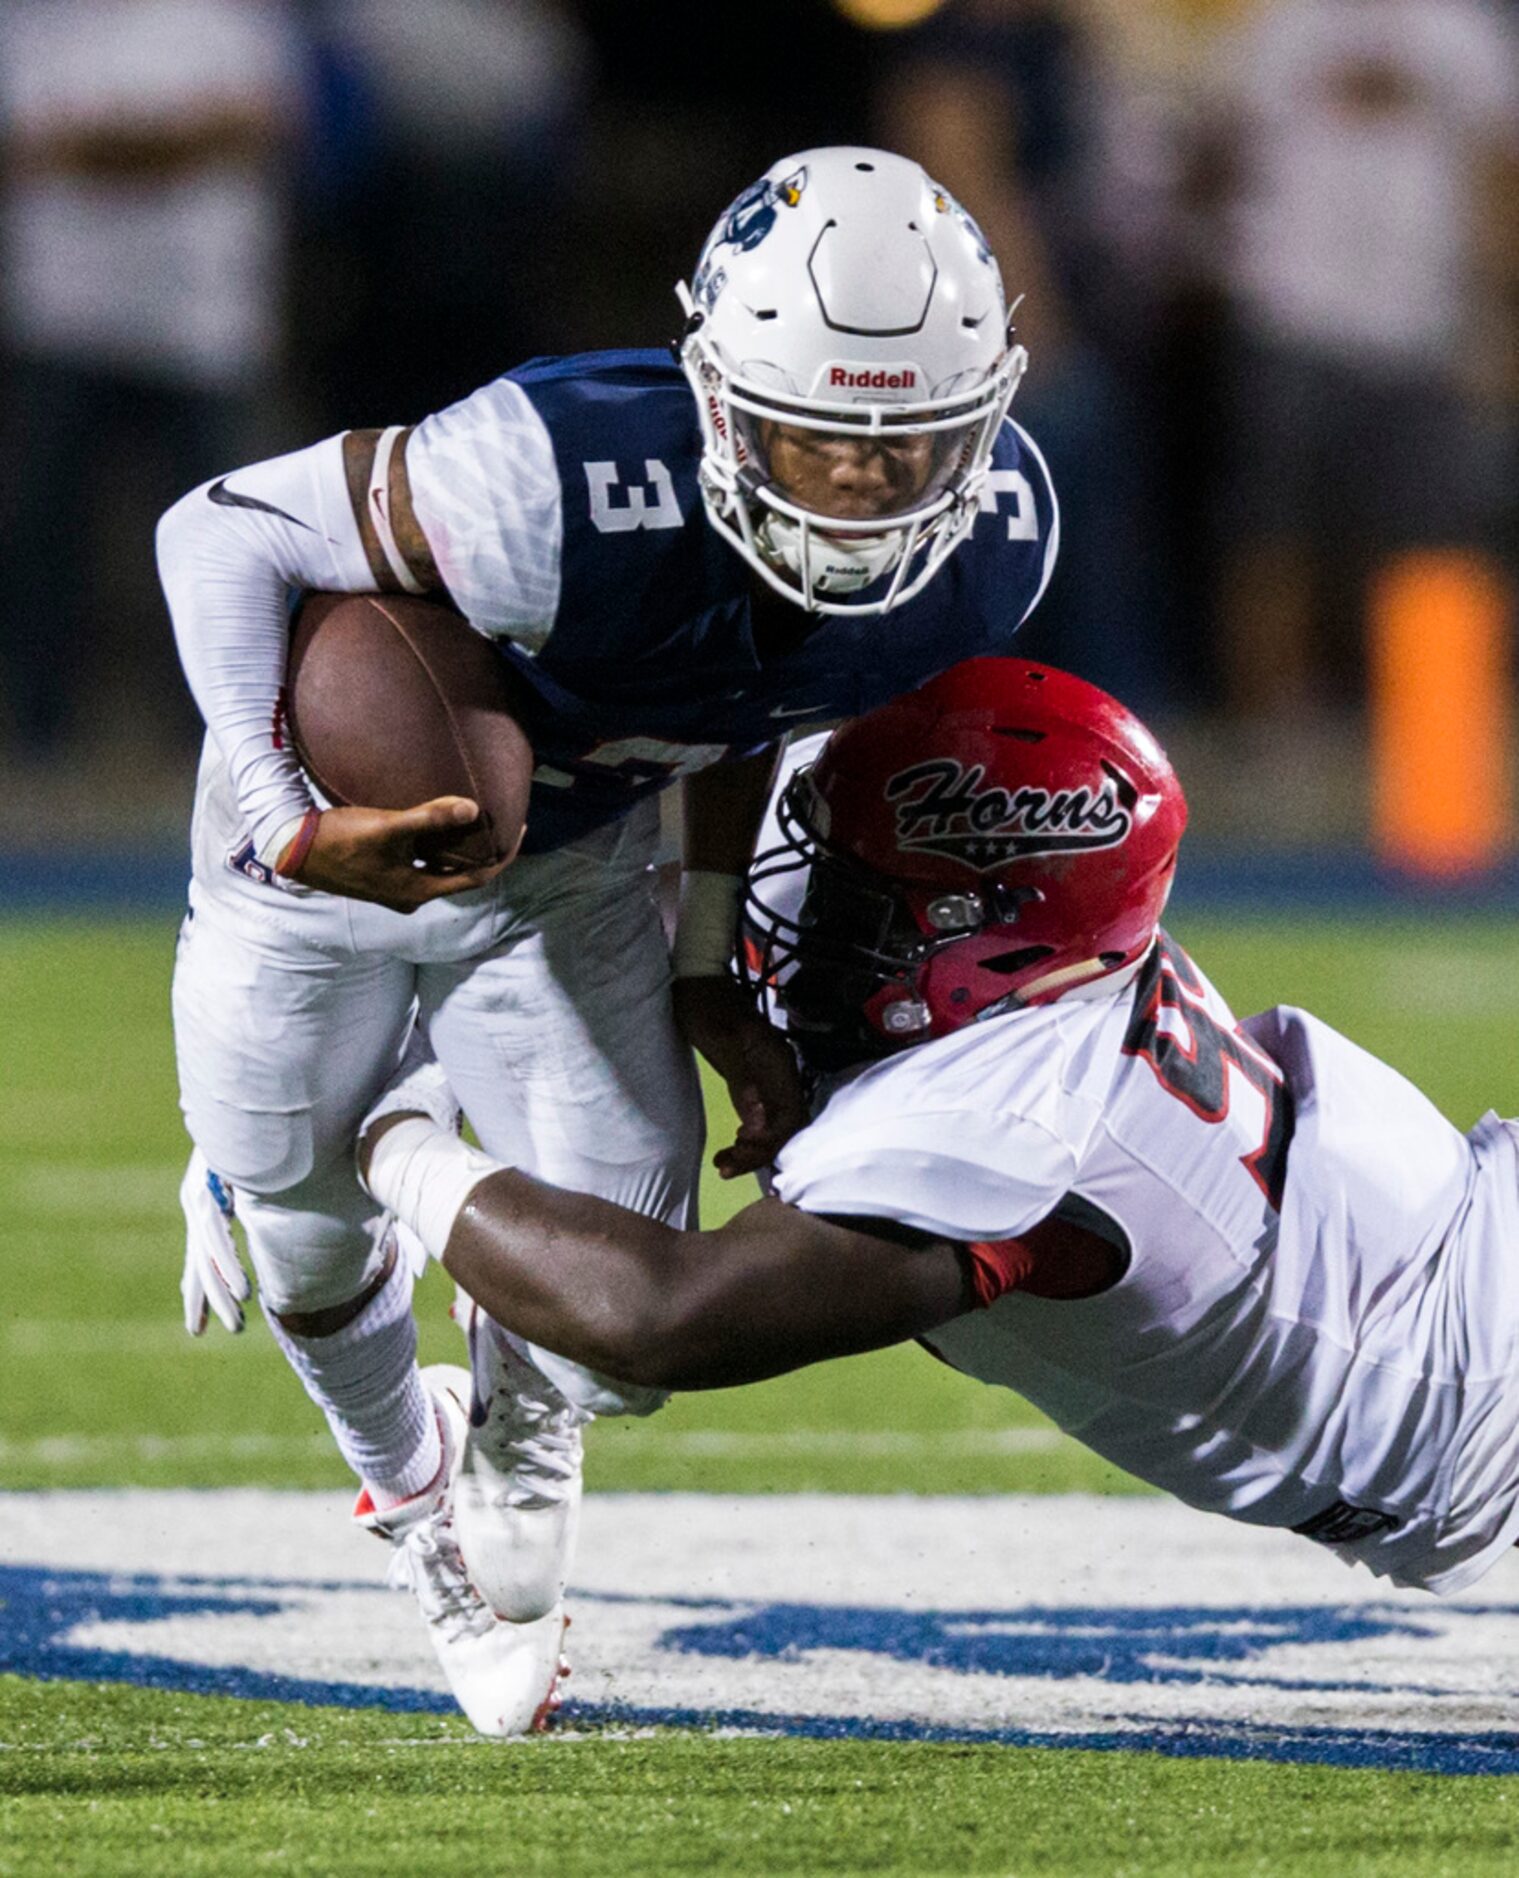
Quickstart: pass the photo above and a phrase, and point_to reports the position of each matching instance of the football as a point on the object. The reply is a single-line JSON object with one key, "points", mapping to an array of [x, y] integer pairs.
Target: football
{"points": [[391, 700]]}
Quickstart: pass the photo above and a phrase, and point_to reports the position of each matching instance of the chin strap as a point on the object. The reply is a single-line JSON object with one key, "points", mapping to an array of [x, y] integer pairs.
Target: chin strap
{"points": [[824, 564]]}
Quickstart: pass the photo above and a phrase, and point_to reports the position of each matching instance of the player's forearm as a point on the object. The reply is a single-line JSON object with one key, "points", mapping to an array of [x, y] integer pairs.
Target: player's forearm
{"points": [[722, 810], [773, 1289], [229, 555], [586, 1278], [641, 1301]]}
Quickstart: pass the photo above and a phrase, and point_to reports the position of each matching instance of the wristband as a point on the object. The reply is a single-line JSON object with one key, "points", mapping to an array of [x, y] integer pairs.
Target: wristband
{"points": [[289, 865], [707, 925], [274, 844], [996, 1266]]}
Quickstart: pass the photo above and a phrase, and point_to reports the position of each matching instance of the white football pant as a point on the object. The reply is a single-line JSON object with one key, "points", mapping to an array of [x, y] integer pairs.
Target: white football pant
{"points": [[545, 997]]}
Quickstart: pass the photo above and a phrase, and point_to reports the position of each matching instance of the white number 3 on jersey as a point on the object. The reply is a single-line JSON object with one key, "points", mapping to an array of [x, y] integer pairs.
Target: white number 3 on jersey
{"points": [[1022, 520], [618, 508]]}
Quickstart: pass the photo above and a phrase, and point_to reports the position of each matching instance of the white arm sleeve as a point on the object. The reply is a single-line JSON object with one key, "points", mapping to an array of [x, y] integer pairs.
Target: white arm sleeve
{"points": [[229, 555], [485, 491]]}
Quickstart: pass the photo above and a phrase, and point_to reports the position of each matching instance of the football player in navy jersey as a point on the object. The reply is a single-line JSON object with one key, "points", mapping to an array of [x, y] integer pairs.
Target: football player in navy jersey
{"points": [[1244, 1261], [816, 504]]}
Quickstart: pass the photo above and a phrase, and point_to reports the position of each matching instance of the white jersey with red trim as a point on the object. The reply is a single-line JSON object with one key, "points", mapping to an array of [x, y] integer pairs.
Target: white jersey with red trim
{"points": [[1318, 1323]]}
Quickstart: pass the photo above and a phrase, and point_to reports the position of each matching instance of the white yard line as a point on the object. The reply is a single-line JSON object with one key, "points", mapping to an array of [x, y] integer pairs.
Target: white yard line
{"points": [[73, 1450], [75, 1190], [729, 1445], [56, 1336], [1446, 983], [957, 1443]]}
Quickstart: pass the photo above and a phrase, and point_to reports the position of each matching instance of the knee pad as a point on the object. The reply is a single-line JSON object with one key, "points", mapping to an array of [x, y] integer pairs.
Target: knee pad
{"points": [[256, 1151], [308, 1257]]}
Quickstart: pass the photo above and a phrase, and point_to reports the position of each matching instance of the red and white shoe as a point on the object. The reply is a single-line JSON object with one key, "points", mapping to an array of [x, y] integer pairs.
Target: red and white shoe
{"points": [[505, 1676]]}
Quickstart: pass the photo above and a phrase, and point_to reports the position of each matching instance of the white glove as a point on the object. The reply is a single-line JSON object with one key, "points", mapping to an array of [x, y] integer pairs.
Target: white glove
{"points": [[214, 1279]]}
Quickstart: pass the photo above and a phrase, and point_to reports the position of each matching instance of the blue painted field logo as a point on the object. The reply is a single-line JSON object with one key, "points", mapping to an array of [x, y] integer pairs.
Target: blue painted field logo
{"points": [[944, 808], [1365, 1684], [138, 1628], [275, 1598], [1181, 1644]]}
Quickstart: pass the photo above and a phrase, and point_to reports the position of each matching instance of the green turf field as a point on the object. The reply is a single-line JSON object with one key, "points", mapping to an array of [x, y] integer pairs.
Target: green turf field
{"points": [[99, 1386], [151, 1785]]}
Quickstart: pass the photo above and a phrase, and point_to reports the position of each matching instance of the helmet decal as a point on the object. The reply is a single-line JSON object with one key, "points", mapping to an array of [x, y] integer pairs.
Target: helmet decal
{"points": [[789, 188], [745, 223], [843, 375], [945, 808], [751, 216], [708, 284], [946, 204]]}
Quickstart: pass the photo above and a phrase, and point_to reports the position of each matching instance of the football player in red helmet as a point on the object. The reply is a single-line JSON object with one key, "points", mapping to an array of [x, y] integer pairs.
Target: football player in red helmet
{"points": [[1004, 836], [1247, 1263]]}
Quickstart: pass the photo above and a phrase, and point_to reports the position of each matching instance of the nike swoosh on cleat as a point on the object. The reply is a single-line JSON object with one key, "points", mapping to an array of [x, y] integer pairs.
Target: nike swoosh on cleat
{"points": [[799, 710], [226, 498]]}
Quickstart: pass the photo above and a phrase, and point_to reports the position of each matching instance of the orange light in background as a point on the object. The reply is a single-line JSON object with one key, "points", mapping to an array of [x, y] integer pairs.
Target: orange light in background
{"points": [[887, 16], [1441, 714]]}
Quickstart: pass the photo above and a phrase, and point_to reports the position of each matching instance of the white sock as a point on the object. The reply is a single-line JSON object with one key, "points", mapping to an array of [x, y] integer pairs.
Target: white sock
{"points": [[424, 1175], [364, 1378]]}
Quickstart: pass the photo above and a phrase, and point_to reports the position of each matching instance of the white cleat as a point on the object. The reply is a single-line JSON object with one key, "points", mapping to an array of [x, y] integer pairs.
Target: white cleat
{"points": [[517, 1493], [505, 1677]]}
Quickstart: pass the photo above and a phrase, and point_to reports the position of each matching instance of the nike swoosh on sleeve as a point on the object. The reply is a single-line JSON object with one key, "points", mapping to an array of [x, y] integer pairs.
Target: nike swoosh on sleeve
{"points": [[226, 498]]}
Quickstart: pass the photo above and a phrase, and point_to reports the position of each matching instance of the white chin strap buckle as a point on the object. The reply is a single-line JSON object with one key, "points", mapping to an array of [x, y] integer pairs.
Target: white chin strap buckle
{"points": [[829, 565]]}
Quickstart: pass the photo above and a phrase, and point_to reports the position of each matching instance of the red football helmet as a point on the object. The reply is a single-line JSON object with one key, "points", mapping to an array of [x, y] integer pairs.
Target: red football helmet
{"points": [[1000, 837]]}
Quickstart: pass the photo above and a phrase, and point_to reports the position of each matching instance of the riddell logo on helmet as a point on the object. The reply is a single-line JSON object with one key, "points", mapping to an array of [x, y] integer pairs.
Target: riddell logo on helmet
{"points": [[866, 378], [945, 808]]}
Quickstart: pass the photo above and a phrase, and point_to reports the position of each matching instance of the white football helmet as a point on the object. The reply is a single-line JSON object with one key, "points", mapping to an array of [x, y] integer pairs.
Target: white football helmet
{"points": [[847, 341]]}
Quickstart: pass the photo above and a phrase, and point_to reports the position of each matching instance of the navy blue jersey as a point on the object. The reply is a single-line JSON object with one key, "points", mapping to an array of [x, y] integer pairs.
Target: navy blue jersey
{"points": [[562, 505]]}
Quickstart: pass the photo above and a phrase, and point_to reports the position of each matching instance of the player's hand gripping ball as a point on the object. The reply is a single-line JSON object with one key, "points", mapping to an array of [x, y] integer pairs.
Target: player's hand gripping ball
{"points": [[392, 700]]}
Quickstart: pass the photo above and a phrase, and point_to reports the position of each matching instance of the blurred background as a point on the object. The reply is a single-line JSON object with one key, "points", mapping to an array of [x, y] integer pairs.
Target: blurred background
{"points": [[1270, 290]]}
